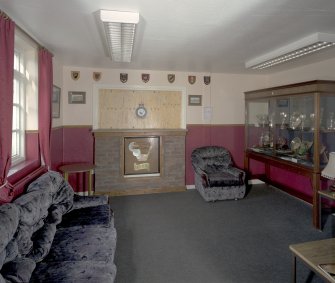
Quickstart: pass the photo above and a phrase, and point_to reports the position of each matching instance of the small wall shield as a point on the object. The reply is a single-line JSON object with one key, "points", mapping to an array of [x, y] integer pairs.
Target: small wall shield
{"points": [[96, 76], [75, 75], [207, 80], [192, 79], [123, 77], [145, 77], [171, 78]]}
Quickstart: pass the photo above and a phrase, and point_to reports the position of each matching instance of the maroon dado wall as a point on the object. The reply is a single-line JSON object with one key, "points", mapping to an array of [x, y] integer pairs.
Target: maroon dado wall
{"points": [[229, 136], [73, 144]]}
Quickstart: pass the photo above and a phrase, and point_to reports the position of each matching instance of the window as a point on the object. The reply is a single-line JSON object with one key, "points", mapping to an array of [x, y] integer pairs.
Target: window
{"points": [[24, 94], [18, 129]]}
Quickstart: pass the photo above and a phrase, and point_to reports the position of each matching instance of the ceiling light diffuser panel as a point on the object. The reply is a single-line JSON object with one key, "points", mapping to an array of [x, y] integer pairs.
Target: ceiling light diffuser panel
{"points": [[119, 29], [302, 47]]}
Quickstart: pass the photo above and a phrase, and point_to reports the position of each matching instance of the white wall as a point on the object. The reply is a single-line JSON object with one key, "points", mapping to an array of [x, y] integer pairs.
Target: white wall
{"points": [[324, 70], [228, 96], [225, 93]]}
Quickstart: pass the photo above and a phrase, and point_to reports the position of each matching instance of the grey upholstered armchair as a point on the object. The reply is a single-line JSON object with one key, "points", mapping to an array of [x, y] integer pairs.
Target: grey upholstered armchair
{"points": [[215, 176]]}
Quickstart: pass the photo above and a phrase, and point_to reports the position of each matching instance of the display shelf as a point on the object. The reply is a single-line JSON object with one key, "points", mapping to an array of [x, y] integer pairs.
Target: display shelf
{"points": [[292, 127]]}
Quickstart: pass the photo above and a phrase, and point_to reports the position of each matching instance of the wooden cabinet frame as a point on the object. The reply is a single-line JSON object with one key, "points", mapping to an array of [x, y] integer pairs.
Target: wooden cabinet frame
{"points": [[315, 89]]}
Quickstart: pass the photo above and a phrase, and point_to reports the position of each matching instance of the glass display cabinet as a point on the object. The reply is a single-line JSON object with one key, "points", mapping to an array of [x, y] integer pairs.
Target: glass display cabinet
{"points": [[292, 127]]}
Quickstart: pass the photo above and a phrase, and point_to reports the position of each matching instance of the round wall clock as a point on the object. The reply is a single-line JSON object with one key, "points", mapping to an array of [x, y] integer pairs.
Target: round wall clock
{"points": [[141, 111]]}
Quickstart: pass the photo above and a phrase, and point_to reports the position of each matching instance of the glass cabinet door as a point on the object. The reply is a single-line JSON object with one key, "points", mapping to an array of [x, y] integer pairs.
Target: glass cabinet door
{"points": [[282, 126], [327, 127], [295, 128], [259, 137]]}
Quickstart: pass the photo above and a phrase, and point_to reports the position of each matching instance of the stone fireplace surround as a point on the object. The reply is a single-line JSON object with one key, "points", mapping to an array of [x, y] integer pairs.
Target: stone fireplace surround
{"points": [[109, 161]]}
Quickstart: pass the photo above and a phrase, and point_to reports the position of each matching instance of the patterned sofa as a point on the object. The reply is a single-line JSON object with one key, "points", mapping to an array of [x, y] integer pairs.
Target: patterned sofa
{"points": [[215, 176], [51, 235]]}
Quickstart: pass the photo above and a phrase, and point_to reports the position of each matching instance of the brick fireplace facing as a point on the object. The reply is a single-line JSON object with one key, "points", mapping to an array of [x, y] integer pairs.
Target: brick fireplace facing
{"points": [[110, 177]]}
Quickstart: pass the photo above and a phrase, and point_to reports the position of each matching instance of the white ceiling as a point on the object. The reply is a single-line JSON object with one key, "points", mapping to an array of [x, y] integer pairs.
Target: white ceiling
{"points": [[177, 35]]}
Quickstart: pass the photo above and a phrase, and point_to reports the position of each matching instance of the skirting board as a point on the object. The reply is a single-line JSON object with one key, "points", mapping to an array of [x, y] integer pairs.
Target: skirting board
{"points": [[81, 193], [141, 191], [255, 182]]}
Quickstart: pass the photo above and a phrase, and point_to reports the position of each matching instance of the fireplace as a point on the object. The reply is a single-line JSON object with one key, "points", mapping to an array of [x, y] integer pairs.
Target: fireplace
{"points": [[124, 164], [139, 135]]}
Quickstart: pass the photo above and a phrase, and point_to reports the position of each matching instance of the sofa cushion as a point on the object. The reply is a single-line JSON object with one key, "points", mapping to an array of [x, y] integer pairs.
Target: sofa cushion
{"points": [[34, 208], [9, 220], [86, 201], [54, 184], [42, 240], [75, 272], [83, 244], [214, 168], [96, 215], [55, 215], [223, 161], [18, 270], [223, 179], [11, 251], [23, 239]]}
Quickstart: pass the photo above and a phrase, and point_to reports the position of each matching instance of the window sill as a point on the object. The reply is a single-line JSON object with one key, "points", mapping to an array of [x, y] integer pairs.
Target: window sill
{"points": [[22, 169]]}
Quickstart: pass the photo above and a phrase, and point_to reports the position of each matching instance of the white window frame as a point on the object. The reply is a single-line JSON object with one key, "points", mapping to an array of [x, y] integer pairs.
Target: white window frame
{"points": [[18, 129]]}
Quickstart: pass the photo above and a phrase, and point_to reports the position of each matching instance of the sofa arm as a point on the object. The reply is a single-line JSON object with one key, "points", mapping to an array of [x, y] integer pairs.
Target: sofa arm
{"points": [[88, 201]]}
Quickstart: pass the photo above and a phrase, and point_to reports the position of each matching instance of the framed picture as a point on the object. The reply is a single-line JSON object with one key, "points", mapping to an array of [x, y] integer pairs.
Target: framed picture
{"points": [[77, 97], [55, 103], [142, 156], [194, 100]]}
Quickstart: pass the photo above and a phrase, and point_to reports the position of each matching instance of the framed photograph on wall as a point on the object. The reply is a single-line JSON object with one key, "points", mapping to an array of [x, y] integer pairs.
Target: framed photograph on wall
{"points": [[195, 100], [55, 102], [77, 97]]}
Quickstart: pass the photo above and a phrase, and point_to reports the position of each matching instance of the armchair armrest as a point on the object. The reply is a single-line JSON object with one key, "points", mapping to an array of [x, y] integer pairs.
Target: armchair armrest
{"points": [[236, 172], [230, 176]]}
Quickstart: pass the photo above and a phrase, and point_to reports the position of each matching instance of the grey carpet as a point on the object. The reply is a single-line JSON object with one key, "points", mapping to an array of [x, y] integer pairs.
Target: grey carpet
{"points": [[179, 238]]}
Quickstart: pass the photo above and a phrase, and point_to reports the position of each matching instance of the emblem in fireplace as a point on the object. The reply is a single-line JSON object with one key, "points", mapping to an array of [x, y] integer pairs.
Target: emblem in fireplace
{"points": [[137, 148], [141, 155]]}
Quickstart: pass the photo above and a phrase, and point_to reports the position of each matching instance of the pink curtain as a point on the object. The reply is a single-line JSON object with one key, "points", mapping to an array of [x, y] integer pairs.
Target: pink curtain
{"points": [[44, 104], [7, 28]]}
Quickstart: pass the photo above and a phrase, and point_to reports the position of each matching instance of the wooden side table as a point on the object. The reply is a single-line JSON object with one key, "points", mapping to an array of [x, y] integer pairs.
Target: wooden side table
{"points": [[329, 194], [79, 168], [313, 254]]}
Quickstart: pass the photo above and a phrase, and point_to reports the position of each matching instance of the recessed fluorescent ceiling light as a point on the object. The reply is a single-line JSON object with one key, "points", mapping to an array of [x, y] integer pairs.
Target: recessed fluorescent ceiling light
{"points": [[119, 29], [304, 46]]}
